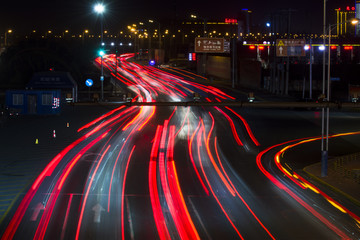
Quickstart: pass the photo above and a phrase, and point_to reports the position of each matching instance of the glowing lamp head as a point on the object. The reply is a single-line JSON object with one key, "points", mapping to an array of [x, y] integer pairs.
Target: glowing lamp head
{"points": [[99, 8], [152, 62], [322, 48], [354, 21], [268, 24], [101, 53], [307, 47]]}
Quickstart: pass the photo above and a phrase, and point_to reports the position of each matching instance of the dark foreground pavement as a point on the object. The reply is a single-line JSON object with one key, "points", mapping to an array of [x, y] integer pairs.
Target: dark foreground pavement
{"points": [[27, 145]]}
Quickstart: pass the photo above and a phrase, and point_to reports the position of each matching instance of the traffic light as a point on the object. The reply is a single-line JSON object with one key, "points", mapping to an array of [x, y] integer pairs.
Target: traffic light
{"points": [[101, 52]]}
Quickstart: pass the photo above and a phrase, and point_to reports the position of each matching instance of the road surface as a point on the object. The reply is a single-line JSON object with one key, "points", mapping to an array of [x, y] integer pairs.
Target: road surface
{"points": [[184, 172]]}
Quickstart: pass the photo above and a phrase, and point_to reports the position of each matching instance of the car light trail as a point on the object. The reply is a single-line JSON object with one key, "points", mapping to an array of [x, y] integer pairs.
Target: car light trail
{"points": [[246, 126], [42, 227], [230, 189], [233, 129], [192, 159], [106, 178], [305, 184], [123, 194], [87, 194], [154, 193], [295, 178], [202, 131]]}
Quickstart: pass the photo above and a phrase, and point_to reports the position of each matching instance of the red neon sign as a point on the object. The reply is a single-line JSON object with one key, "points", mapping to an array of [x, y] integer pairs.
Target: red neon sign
{"points": [[348, 47], [348, 8], [230, 20]]}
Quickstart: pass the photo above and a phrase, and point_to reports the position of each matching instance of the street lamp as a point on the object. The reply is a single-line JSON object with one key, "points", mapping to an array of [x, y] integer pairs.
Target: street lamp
{"points": [[83, 35], [204, 35], [324, 150], [6, 36], [159, 33], [204, 19], [100, 9]]}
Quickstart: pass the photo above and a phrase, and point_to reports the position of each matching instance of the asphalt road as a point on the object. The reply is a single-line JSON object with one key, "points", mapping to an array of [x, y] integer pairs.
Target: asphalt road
{"points": [[187, 172]]}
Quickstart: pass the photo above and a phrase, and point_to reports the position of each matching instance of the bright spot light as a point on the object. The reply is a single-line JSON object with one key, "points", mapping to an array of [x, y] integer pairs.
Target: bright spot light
{"points": [[129, 44], [306, 47], [112, 44], [322, 48], [268, 24], [354, 21], [103, 44], [99, 8]]}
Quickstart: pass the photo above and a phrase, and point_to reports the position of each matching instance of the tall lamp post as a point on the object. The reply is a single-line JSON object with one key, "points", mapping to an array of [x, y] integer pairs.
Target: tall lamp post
{"points": [[325, 149], [204, 35], [6, 37], [100, 9], [159, 33]]}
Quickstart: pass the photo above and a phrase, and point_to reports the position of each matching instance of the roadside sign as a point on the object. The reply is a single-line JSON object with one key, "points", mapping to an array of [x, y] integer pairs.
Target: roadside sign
{"points": [[226, 46], [209, 45], [290, 47], [89, 82]]}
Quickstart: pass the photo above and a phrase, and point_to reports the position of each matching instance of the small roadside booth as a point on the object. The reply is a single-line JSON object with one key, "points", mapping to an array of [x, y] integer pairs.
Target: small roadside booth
{"points": [[28, 102], [54, 80], [45, 93]]}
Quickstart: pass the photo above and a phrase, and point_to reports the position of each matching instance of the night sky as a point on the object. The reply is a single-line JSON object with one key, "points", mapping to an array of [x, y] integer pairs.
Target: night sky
{"points": [[57, 15]]}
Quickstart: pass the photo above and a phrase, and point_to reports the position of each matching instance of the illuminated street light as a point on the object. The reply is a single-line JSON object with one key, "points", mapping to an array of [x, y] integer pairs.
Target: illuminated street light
{"points": [[83, 35], [325, 149], [152, 21], [322, 47], [204, 35], [6, 36], [100, 9]]}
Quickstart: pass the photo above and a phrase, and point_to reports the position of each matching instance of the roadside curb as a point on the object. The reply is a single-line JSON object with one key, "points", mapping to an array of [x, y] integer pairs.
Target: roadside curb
{"points": [[319, 180]]}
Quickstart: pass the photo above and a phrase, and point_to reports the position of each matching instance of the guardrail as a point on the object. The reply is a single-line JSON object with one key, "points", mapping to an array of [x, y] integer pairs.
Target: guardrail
{"points": [[311, 105]]}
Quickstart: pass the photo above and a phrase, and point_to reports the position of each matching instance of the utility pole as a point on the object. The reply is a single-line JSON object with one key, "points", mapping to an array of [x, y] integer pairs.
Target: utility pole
{"points": [[311, 63], [288, 58], [324, 153]]}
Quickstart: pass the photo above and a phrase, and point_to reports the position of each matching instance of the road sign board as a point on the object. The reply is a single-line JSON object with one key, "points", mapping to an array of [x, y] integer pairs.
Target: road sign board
{"points": [[89, 82], [209, 45], [290, 47]]}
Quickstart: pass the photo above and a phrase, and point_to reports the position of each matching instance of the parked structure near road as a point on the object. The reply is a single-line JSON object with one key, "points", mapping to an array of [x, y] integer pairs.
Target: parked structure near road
{"points": [[44, 102], [54, 80]]}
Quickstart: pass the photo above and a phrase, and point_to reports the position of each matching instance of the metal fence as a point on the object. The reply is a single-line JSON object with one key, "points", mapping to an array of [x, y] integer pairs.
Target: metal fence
{"points": [[343, 166]]}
